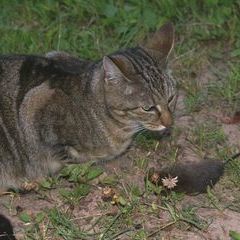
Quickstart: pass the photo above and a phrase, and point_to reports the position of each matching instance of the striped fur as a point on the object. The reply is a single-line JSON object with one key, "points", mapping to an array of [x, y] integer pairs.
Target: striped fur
{"points": [[58, 109]]}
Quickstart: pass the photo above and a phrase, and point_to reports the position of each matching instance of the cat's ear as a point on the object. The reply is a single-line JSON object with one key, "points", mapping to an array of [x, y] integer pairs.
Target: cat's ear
{"points": [[116, 68], [111, 71], [160, 44]]}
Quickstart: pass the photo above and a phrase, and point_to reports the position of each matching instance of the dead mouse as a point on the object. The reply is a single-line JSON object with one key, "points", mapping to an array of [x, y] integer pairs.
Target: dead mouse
{"points": [[190, 177]]}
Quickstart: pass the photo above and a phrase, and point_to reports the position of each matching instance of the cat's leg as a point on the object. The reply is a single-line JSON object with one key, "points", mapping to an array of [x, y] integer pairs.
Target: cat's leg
{"points": [[69, 154]]}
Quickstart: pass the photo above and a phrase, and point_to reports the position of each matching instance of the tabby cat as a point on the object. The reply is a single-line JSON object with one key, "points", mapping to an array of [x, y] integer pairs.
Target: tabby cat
{"points": [[58, 109]]}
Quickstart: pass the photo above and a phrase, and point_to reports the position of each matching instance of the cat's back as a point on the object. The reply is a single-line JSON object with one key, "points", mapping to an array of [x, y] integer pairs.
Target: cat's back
{"points": [[20, 73], [10, 66], [9, 63], [23, 65], [18, 70]]}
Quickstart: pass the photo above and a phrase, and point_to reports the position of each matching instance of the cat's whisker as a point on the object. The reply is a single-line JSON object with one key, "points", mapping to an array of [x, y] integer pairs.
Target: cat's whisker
{"points": [[141, 132]]}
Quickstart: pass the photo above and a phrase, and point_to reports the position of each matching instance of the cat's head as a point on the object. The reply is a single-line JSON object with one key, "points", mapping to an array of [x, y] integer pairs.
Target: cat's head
{"points": [[139, 89]]}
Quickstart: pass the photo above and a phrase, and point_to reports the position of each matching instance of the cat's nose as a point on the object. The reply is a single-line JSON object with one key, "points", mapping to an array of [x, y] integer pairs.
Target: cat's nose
{"points": [[166, 119]]}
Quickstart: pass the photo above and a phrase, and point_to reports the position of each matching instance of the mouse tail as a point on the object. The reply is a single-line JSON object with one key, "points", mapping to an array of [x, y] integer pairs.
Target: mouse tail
{"points": [[235, 156]]}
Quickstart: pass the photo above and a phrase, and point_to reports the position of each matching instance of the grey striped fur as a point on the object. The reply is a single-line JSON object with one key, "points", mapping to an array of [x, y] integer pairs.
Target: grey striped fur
{"points": [[58, 109]]}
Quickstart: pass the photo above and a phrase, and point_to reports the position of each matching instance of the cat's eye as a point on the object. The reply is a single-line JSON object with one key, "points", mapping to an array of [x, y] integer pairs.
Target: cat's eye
{"points": [[148, 109]]}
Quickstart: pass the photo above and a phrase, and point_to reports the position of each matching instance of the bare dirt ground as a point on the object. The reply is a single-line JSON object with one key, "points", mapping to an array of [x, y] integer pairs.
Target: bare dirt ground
{"points": [[216, 214]]}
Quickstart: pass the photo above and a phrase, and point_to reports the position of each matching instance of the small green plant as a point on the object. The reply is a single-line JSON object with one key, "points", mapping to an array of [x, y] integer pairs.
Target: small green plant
{"points": [[73, 195], [194, 102], [234, 169], [228, 89], [213, 198], [63, 225], [34, 224], [207, 136], [109, 180], [81, 173], [146, 140], [141, 163], [187, 215], [152, 188], [140, 235], [49, 183], [234, 235], [231, 89]]}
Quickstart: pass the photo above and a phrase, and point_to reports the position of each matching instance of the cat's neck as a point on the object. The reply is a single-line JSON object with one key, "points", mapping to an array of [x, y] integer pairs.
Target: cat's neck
{"points": [[107, 134], [114, 136]]}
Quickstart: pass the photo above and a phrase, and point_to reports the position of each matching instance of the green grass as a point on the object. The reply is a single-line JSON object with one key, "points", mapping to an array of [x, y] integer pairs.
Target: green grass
{"points": [[234, 171], [94, 28], [146, 141], [206, 32], [194, 96], [228, 89], [208, 136]]}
